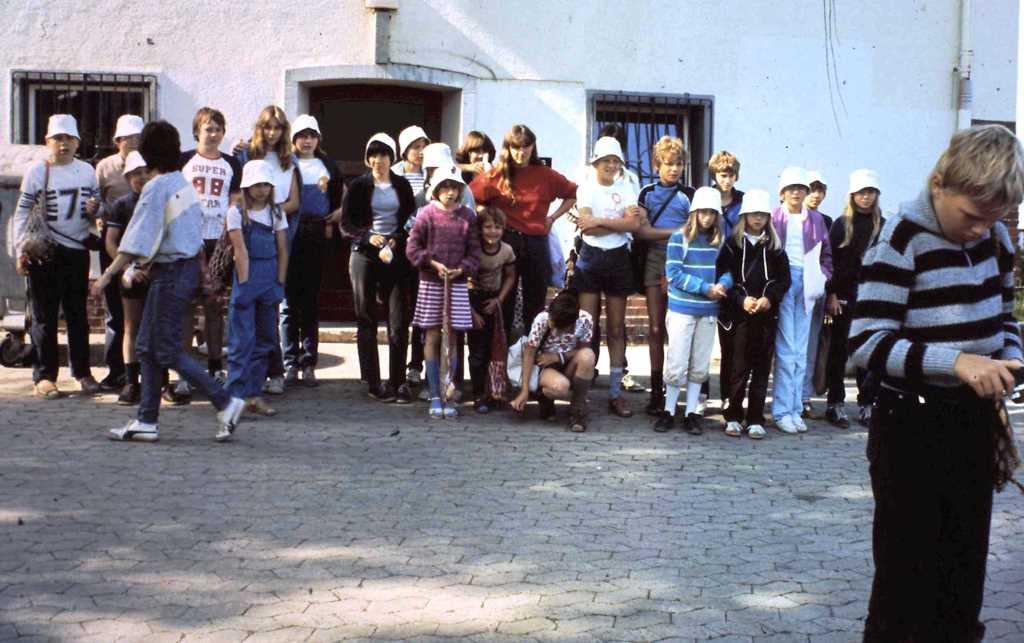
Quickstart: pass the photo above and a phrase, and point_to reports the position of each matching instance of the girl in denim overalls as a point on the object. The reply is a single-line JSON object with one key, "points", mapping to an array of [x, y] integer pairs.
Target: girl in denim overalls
{"points": [[258, 234]]}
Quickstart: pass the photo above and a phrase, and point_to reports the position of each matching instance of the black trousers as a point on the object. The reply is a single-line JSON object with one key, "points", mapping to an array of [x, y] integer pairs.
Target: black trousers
{"points": [[480, 343], [62, 283], [725, 345], [751, 345], [113, 320], [533, 269], [932, 470], [371, 276], [835, 367], [300, 310]]}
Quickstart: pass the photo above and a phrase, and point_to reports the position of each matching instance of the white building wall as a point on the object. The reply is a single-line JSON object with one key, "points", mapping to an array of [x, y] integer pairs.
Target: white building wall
{"points": [[995, 59]]}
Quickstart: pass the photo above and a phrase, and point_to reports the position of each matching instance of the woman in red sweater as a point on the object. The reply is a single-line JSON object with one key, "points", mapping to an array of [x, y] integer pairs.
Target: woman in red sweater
{"points": [[525, 189]]}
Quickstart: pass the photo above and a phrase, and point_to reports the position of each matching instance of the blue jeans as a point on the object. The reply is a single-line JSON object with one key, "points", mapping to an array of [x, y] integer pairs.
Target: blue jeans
{"points": [[159, 344], [791, 349], [252, 320], [817, 319]]}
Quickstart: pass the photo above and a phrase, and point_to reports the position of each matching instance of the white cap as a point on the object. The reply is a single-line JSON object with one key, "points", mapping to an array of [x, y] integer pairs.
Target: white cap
{"points": [[794, 176], [756, 201], [606, 146], [863, 179], [128, 125], [62, 124], [814, 176], [257, 171], [304, 122], [437, 155], [133, 162], [708, 199], [449, 172], [410, 135], [381, 137]]}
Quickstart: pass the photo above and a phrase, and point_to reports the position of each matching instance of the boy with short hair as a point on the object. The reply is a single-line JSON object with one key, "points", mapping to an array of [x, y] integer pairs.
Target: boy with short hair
{"points": [[216, 178], [934, 320]]}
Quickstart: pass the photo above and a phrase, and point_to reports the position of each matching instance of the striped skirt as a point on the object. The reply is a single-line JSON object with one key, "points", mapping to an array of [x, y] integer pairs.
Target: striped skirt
{"points": [[430, 306]]}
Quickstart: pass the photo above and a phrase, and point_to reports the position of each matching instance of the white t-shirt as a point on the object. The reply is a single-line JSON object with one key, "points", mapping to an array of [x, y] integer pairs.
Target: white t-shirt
{"points": [[282, 177], [312, 170], [795, 238], [212, 180], [69, 188], [234, 219], [606, 202]]}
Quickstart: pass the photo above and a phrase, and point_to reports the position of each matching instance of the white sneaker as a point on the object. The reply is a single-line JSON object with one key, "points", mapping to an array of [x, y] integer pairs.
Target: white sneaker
{"points": [[786, 425], [221, 376], [799, 423], [183, 389], [756, 432], [733, 429], [413, 376], [228, 419], [136, 431], [274, 386]]}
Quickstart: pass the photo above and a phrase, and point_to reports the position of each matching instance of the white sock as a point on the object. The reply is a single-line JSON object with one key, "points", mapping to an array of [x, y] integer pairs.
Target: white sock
{"points": [[671, 398], [692, 397]]}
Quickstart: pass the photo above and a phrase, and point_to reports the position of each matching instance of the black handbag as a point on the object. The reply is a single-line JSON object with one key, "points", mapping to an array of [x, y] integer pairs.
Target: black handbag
{"points": [[638, 249]]}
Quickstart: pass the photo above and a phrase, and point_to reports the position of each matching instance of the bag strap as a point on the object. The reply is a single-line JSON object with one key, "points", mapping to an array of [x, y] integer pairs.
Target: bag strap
{"points": [[665, 204]]}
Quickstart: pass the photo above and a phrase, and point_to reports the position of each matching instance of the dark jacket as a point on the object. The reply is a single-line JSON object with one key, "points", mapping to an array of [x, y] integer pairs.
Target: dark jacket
{"points": [[846, 262], [335, 185], [357, 213], [757, 271]]}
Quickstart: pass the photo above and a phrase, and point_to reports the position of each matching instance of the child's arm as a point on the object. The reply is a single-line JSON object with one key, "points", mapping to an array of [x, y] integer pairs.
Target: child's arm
{"points": [[282, 256], [291, 206], [471, 259], [241, 255], [678, 278], [508, 281], [781, 279], [416, 249]]}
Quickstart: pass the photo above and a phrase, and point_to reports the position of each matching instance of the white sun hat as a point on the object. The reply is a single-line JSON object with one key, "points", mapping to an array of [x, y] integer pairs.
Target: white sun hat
{"points": [[707, 199], [258, 171], [381, 137], [437, 155], [862, 179], [410, 135], [304, 122], [62, 124], [814, 176], [756, 201], [606, 146], [128, 125], [133, 162], [794, 175], [444, 173]]}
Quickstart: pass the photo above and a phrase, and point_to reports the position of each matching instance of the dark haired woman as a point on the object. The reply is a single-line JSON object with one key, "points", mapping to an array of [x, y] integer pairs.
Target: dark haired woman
{"points": [[475, 155], [525, 189], [376, 208], [559, 345]]}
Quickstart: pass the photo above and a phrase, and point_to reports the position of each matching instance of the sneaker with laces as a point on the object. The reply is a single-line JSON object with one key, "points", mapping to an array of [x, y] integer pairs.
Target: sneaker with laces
{"points": [[798, 422], [786, 425], [291, 376], [733, 429], [274, 386], [664, 423], [836, 416], [756, 432], [309, 377], [135, 431], [229, 418], [412, 375]]}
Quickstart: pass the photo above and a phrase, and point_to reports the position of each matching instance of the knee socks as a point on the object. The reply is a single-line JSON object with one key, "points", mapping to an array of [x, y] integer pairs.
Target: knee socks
{"points": [[692, 396], [580, 388], [433, 368], [671, 398]]}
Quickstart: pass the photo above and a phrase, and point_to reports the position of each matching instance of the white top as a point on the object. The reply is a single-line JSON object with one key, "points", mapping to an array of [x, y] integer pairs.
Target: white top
{"points": [[606, 202], [795, 238], [70, 187], [234, 219], [312, 170], [212, 180], [282, 178]]}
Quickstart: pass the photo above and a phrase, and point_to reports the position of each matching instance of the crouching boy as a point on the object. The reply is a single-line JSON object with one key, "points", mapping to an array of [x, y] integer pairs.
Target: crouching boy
{"points": [[933, 319]]}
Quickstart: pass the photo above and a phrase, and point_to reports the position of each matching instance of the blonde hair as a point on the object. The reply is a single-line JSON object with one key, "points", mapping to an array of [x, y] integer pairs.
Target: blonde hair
{"points": [[724, 161], [851, 210], [775, 243], [984, 163], [668, 147], [690, 228], [283, 148]]}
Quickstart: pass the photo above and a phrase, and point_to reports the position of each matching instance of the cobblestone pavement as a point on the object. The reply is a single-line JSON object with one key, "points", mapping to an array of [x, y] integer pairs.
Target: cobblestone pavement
{"points": [[344, 518]]}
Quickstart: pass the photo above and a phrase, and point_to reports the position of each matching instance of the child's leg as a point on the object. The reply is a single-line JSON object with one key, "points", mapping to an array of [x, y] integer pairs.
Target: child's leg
{"points": [[615, 307], [213, 327], [787, 351], [74, 293], [43, 280], [241, 340], [265, 343], [553, 385], [813, 336], [395, 291], [739, 371], [677, 358], [700, 359], [760, 351], [364, 299], [656, 339], [580, 371], [431, 354], [479, 340], [837, 354]]}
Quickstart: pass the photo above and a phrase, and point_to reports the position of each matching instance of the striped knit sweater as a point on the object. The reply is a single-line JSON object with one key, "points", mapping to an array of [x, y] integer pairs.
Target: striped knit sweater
{"points": [[690, 269], [923, 300]]}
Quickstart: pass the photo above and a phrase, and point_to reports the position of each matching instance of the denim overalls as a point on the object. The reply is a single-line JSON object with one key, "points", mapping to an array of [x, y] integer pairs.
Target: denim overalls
{"points": [[253, 313], [300, 314]]}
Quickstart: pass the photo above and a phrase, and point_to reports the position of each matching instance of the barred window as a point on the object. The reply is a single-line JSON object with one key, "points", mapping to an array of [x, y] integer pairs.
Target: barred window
{"points": [[95, 100], [646, 118]]}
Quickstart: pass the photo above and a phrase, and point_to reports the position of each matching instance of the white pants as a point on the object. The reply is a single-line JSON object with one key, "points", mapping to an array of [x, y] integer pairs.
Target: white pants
{"points": [[690, 342]]}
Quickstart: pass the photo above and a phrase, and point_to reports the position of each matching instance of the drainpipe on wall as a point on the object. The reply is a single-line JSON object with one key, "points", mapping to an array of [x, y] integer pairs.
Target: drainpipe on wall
{"points": [[382, 10], [963, 68]]}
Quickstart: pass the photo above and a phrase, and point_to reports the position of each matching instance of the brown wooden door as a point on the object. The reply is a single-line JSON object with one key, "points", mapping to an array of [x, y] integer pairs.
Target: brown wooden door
{"points": [[348, 116]]}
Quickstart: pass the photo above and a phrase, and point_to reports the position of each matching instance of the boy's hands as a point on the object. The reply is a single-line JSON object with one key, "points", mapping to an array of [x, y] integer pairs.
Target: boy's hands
{"points": [[750, 305], [988, 378], [717, 292]]}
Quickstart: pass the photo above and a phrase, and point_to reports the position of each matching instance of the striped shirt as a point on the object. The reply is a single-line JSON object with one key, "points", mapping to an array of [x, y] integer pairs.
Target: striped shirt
{"points": [[923, 300], [690, 268], [70, 186]]}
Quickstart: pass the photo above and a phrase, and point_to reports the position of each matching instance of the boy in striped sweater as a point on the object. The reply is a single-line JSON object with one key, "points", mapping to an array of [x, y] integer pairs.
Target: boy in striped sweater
{"points": [[933, 319]]}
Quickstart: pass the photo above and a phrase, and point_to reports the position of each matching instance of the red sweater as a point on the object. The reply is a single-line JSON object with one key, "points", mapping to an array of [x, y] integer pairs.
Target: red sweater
{"points": [[534, 188]]}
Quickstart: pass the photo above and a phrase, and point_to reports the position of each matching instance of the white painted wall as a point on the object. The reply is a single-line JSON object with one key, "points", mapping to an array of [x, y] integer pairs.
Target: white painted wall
{"points": [[995, 59]]}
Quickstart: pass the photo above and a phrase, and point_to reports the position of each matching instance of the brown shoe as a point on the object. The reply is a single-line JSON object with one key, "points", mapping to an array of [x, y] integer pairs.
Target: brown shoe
{"points": [[620, 407], [47, 390], [89, 386], [259, 407], [577, 422]]}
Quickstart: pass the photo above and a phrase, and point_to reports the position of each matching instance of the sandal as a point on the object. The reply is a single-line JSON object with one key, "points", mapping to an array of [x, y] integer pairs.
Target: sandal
{"points": [[577, 423], [47, 390]]}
